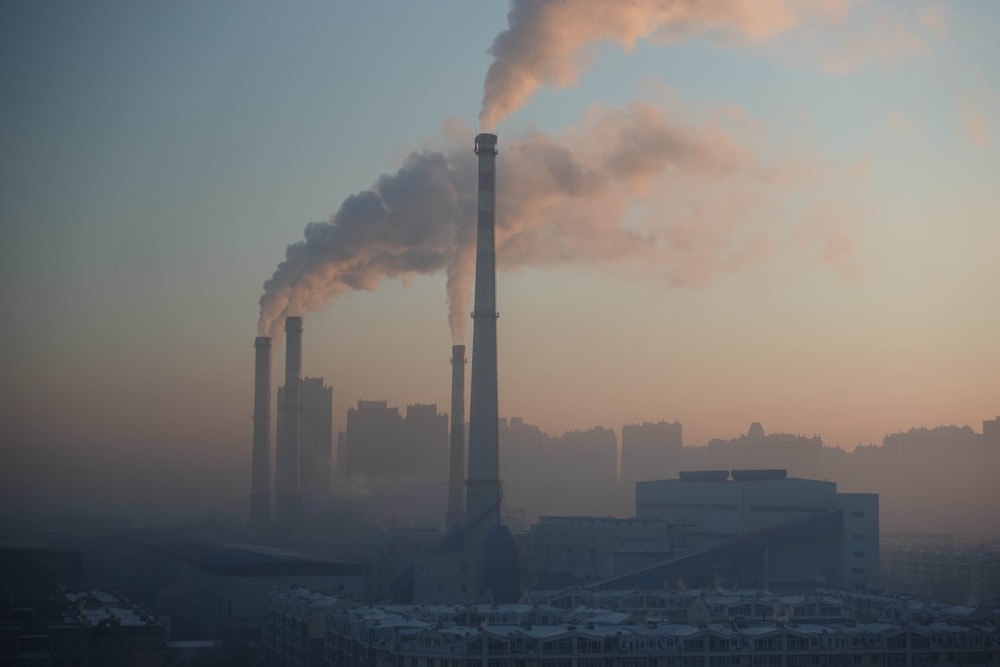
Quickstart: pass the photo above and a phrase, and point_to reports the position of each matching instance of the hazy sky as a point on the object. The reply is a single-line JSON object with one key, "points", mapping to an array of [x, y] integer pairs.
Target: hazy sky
{"points": [[814, 246]]}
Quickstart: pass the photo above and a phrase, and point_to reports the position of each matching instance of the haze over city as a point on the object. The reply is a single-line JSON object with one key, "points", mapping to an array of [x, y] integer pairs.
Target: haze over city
{"points": [[763, 213]]}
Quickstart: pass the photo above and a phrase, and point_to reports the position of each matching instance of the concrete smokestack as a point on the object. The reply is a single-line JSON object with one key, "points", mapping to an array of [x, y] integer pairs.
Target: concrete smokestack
{"points": [[456, 467], [482, 509], [290, 414], [260, 476]]}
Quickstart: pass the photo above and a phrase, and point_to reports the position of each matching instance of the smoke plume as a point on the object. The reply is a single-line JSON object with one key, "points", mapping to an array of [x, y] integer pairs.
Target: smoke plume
{"points": [[647, 189], [549, 42]]}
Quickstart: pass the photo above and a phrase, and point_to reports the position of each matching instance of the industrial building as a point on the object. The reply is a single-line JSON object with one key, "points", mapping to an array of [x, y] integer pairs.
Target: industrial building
{"points": [[761, 528], [215, 589], [565, 550]]}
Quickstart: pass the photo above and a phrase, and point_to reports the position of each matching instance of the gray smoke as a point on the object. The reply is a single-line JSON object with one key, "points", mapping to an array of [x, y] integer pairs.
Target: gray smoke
{"points": [[560, 200]]}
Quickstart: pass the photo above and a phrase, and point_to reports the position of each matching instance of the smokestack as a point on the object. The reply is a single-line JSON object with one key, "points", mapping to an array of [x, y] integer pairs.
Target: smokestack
{"points": [[260, 476], [290, 412], [456, 467], [482, 509]]}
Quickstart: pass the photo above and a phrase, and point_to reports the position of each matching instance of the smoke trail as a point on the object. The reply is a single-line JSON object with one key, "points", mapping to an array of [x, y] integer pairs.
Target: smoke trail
{"points": [[653, 191], [548, 42]]}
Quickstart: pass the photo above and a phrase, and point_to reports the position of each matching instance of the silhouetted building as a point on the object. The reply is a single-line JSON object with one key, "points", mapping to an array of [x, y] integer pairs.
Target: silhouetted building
{"points": [[316, 439], [991, 432], [584, 456], [941, 570], [380, 442], [220, 589], [801, 456], [647, 450]]}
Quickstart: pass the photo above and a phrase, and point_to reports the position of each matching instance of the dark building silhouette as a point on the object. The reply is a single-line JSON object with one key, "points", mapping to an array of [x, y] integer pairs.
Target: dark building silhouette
{"points": [[584, 456], [647, 450], [380, 442], [316, 440], [991, 432]]}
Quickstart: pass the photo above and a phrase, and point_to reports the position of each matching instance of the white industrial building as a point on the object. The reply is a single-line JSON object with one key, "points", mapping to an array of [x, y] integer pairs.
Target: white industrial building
{"points": [[796, 533]]}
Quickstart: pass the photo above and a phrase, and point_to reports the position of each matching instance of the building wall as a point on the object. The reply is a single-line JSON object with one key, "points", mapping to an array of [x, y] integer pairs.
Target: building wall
{"points": [[717, 512], [440, 578], [317, 439], [859, 540]]}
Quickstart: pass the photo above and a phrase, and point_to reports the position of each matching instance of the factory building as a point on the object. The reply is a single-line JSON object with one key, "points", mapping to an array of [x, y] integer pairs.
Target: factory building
{"points": [[220, 590], [762, 528], [571, 550]]}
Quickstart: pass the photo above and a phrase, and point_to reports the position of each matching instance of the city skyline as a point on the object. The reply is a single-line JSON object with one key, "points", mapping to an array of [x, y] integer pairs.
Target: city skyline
{"points": [[761, 215]]}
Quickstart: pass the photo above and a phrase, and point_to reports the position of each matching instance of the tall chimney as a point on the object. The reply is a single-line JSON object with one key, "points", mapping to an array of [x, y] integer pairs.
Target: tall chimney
{"points": [[456, 467], [482, 509], [287, 457], [260, 475]]}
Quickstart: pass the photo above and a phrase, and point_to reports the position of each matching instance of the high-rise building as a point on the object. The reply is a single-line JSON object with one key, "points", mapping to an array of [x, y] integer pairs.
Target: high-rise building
{"points": [[316, 440], [991, 432], [647, 449], [381, 442]]}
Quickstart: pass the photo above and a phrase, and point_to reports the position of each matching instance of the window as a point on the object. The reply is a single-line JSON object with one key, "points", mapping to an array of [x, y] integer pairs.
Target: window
{"points": [[858, 537], [857, 570], [858, 554], [858, 514]]}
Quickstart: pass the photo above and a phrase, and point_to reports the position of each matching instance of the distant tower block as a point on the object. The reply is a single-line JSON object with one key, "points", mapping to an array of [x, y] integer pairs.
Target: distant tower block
{"points": [[482, 509], [991, 432], [287, 456], [456, 460], [260, 476]]}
